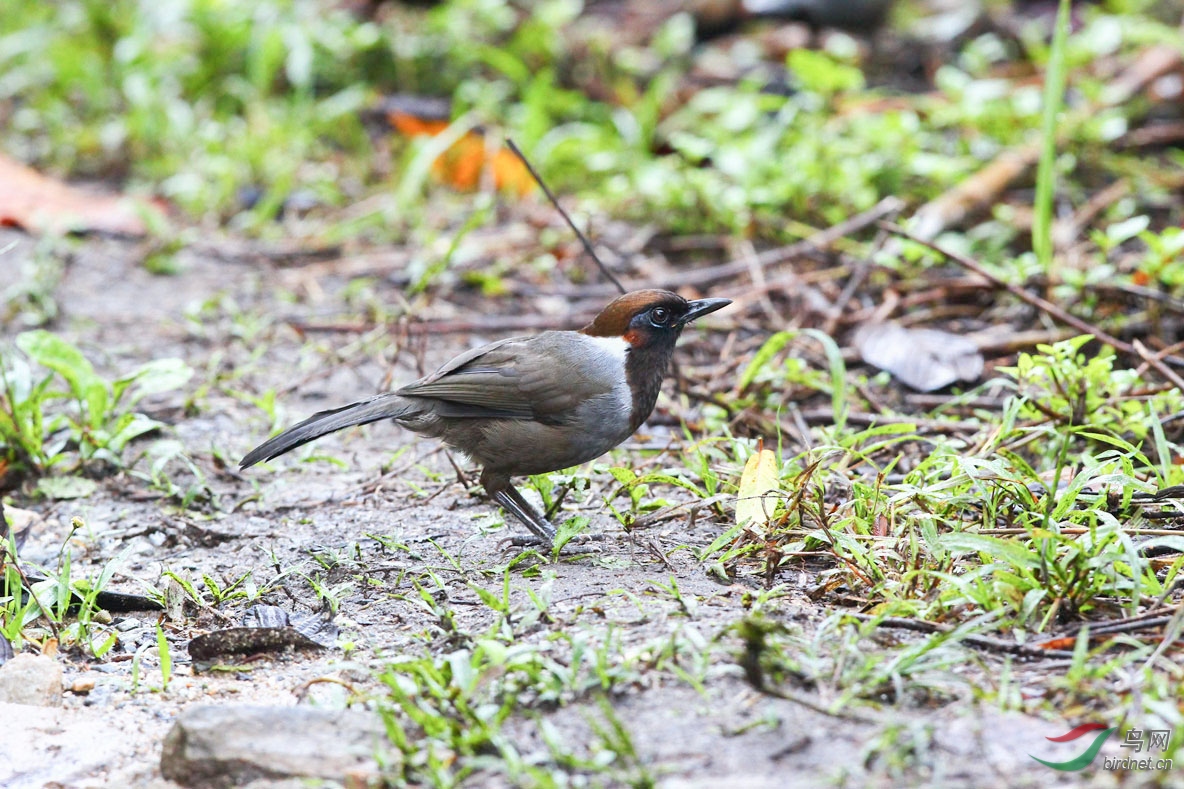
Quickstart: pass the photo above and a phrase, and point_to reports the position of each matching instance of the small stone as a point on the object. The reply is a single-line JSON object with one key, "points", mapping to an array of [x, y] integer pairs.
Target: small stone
{"points": [[229, 745], [131, 623], [31, 679], [108, 668], [82, 686]]}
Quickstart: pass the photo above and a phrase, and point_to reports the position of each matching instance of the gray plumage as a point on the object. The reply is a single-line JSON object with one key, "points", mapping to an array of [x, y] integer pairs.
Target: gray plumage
{"points": [[531, 405], [502, 413]]}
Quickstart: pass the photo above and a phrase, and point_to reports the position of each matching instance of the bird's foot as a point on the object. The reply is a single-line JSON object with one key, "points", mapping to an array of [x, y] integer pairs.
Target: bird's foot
{"points": [[533, 541]]}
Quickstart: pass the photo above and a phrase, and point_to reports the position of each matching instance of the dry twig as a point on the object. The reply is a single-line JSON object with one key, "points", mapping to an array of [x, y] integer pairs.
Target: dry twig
{"points": [[1045, 306], [980, 642], [566, 217]]}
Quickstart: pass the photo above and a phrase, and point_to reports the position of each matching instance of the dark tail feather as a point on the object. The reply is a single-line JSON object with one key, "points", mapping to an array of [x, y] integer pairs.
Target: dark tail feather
{"points": [[385, 406]]}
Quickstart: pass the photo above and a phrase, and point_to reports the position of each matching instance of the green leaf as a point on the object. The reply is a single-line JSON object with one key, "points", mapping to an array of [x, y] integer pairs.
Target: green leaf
{"points": [[54, 353], [623, 475], [818, 72], [96, 399], [492, 601], [159, 375], [670, 479], [128, 428], [166, 658], [1010, 551], [568, 530], [720, 541]]}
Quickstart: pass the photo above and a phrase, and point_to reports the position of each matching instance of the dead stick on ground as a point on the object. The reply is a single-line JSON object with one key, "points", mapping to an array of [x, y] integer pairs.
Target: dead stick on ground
{"points": [[1043, 305], [976, 192], [818, 241], [982, 642], [1065, 231], [1156, 361]]}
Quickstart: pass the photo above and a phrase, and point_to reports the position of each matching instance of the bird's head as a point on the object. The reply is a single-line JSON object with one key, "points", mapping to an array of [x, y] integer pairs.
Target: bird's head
{"points": [[649, 318], [644, 326]]}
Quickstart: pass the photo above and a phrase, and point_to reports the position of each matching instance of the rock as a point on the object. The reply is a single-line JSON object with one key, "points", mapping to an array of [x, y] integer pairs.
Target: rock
{"points": [[215, 746], [103, 695], [31, 679]]}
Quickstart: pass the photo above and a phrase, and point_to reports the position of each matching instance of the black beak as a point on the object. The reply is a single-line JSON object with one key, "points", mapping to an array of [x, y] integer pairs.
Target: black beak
{"points": [[701, 307]]}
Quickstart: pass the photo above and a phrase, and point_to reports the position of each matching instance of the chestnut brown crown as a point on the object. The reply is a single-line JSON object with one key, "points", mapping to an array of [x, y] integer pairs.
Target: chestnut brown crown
{"points": [[643, 317]]}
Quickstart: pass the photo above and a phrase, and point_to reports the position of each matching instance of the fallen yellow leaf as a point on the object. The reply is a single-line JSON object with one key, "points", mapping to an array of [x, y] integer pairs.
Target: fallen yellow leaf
{"points": [[759, 479]]}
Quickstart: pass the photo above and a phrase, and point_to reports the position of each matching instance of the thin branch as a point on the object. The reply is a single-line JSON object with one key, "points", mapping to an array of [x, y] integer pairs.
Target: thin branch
{"points": [[981, 642], [550, 196], [1043, 305], [820, 241], [1156, 361]]}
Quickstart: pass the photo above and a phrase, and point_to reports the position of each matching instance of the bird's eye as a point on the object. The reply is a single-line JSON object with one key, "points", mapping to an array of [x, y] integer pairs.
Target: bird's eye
{"points": [[659, 316]]}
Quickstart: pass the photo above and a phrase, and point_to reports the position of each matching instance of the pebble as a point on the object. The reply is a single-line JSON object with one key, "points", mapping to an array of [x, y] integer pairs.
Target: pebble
{"points": [[130, 623], [82, 685]]}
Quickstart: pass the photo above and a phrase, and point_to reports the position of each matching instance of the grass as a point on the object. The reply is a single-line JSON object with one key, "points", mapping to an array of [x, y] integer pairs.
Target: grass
{"points": [[60, 610], [1052, 103], [449, 711], [56, 412]]}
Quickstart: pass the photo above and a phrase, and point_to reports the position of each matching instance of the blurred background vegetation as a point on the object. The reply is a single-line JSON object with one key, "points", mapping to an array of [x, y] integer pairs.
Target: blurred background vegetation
{"points": [[231, 111]]}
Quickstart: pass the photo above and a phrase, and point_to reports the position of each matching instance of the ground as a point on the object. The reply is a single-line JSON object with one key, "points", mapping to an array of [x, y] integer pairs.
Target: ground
{"points": [[373, 529]]}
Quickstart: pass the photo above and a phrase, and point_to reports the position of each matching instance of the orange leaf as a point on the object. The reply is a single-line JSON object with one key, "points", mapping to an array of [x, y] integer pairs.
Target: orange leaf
{"points": [[409, 125], [40, 205], [462, 165]]}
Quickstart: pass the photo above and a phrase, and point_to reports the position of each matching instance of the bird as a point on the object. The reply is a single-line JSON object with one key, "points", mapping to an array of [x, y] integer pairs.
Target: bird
{"points": [[531, 405]]}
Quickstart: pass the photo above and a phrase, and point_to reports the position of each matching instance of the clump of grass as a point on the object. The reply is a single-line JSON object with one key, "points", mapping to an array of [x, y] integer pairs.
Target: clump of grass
{"points": [[449, 713], [1030, 524], [61, 606], [58, 414]]}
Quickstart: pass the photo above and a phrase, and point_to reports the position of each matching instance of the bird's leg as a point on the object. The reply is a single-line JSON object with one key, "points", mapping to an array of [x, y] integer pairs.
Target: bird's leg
{"points": [[509, 497], [542, 530]]}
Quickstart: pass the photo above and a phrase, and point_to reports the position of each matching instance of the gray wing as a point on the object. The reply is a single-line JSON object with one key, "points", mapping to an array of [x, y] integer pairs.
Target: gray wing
{"points": [[492, 381]]}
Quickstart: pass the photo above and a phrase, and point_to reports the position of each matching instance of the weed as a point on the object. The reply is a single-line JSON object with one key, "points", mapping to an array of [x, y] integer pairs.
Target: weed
{"points": [[28, 299], [166, 659], [218, 593], [841, 664], [611, 753], [175, 474], [65, 601], [95, 422], [448, 713]]}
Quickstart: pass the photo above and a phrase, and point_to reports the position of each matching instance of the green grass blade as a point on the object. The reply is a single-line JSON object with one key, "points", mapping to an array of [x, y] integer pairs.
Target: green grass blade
{"points": [[1054, 96]]}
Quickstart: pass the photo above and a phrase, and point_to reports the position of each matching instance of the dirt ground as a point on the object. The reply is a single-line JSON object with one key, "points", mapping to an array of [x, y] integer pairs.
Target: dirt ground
{"points": [[321, 520]]}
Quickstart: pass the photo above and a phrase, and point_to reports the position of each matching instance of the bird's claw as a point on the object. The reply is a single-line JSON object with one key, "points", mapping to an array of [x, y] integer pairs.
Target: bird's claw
{"points": [[533, 541]]}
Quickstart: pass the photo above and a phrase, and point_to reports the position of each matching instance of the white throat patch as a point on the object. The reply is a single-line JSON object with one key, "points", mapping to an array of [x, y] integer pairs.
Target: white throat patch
{"points": [[613, 346]]}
